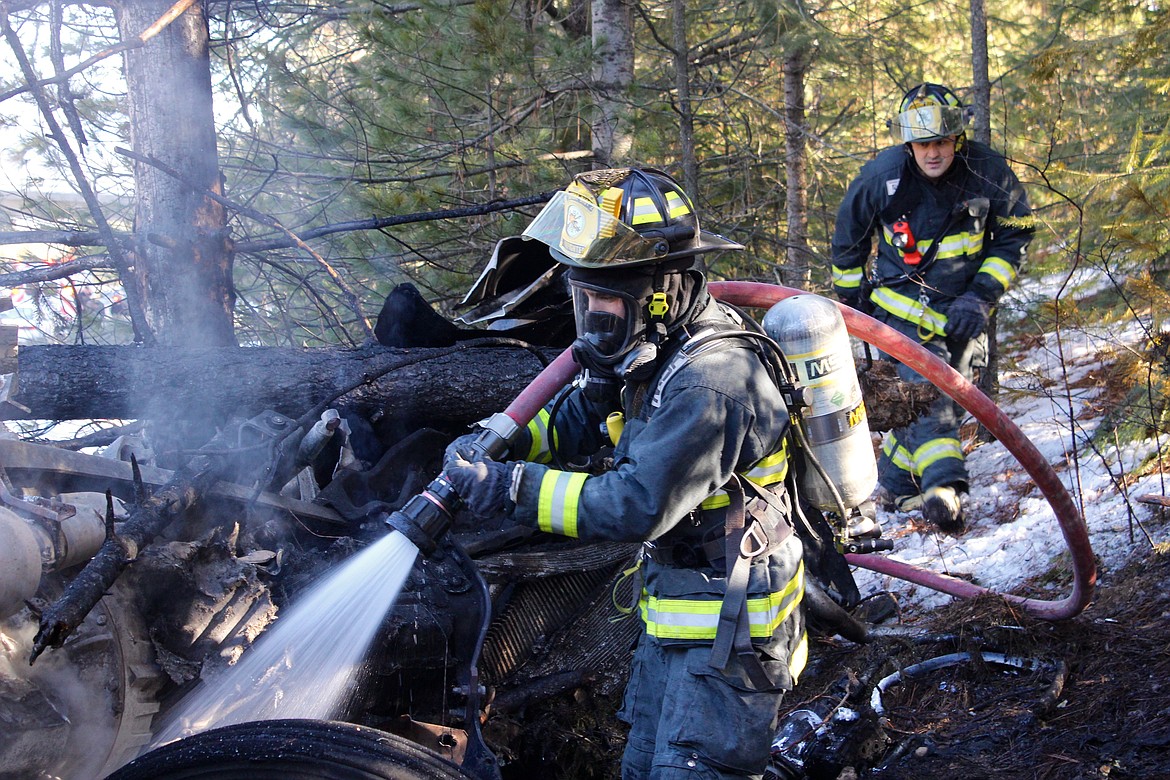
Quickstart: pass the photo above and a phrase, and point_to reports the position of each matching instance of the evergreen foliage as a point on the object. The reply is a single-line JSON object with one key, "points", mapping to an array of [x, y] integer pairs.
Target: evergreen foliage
{"points": [[336, 112]]}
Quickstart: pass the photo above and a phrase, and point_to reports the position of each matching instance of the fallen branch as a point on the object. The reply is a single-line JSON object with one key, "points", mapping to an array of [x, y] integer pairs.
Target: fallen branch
{"points": [[119, 550]]}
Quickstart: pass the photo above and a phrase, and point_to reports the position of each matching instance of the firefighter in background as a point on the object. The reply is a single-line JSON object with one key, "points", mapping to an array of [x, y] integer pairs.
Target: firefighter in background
{"points": [[952, 223], [699, 460]]}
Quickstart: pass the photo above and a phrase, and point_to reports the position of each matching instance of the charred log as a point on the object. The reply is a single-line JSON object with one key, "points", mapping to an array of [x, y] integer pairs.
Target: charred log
{"points": [[455, 385]]}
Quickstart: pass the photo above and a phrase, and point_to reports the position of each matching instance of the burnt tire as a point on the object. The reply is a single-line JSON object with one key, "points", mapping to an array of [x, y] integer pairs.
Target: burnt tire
{"points": [[291, 750]]}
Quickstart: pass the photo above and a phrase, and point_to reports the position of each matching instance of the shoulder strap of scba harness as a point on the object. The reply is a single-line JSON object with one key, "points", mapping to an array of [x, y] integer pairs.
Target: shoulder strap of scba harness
{"points": [[745, 541], [709, 337]]}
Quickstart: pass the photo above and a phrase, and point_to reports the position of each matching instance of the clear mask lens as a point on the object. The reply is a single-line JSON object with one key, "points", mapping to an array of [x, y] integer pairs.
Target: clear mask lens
{"points": [[606, 331]]}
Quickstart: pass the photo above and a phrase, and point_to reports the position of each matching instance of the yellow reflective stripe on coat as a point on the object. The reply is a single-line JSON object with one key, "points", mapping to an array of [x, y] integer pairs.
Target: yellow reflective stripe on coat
{"points": [[539, 452], [556, 509], [910, 309], [924, 457], [957, 245], [898, 455], [847, 278], [799, 658], [1000, 270], [769, 470], [935, 450], [952, 245], [698, 619]]}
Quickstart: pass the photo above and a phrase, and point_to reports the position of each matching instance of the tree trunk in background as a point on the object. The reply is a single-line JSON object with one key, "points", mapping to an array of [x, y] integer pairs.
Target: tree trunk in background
{"points": [[182, 261], [798, 253], [981, 100], [981, 84], [682, 83], [613, 73]]}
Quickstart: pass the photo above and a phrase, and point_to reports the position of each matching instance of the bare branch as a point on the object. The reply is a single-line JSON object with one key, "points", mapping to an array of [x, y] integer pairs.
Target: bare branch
{"points": [[264, 219], [377, 223], [142, 332], [48, 273], [173, 13], [94, 238]]}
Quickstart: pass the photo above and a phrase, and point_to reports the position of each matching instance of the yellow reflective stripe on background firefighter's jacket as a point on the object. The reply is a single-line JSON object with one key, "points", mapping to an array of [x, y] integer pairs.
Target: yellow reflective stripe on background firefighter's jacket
{"points": [[847, 278], [925, 456], [1000, 270], [952, 245], [560, 497], [769, 470], [698, 619], [910, 309], [935, 450], [898, 455], [539, 452]]}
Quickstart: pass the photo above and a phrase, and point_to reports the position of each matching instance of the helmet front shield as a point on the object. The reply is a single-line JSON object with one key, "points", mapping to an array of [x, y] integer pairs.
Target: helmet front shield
{"points": [[581, 233], [928, 123]]}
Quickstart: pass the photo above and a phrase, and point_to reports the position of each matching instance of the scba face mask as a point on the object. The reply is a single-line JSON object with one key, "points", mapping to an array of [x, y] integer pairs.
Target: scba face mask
{"points": [[608, 325], [621, 320]]}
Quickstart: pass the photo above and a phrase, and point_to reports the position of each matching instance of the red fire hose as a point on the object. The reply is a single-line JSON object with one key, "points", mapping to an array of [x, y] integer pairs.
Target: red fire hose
{"points": [[951, 382]]}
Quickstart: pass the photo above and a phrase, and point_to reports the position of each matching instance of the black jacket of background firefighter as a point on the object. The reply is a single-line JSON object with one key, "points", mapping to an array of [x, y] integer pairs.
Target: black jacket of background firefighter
{"points": [[977, 215]]}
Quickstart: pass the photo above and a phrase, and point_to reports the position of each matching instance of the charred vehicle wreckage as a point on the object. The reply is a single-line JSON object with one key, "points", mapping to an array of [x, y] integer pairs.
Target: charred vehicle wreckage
{"points": [[134, 578]]}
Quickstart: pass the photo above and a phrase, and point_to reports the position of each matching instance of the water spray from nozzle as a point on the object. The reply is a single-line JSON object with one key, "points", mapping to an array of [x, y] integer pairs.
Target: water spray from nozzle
{"points": [[427, 516]]}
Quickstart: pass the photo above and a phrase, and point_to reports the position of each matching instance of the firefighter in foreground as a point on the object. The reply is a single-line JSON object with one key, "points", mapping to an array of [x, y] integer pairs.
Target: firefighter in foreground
{"points": [[698, 429], [952, 223]]}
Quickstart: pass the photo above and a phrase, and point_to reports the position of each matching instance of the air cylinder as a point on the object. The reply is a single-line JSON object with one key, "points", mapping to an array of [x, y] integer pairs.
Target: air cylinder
{"points": [[811, 332]]}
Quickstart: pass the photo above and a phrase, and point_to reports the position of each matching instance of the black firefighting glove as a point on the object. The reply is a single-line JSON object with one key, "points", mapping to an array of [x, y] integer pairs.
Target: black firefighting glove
{"points": [[967, 316], [461, 447], [483, 486]]}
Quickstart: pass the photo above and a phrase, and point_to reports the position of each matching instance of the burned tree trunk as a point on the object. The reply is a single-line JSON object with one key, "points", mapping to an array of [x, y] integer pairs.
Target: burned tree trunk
{"points": [[182, 257], [453, 385]]}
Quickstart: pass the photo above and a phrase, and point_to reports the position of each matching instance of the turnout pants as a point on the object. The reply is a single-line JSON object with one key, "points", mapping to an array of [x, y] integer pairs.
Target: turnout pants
{"points": [[928, 452], [690, 721]]}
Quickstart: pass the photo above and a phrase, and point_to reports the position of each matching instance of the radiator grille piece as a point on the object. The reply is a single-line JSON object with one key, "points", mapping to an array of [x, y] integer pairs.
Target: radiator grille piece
{"points": [[537, 609]]}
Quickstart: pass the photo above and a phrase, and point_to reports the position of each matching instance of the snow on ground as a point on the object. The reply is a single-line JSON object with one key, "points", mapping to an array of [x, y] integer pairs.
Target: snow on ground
{"points": [[1012, 532]]}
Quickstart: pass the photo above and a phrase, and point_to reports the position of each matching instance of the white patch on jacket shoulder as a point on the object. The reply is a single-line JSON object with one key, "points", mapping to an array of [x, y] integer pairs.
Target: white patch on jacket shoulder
{"points": [[892, 186]]}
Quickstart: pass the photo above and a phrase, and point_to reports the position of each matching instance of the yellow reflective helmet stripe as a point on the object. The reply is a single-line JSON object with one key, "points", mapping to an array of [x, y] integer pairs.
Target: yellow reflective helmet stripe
{"points": [[698, 619], [676, 205], [645, 212], [556, 508]]}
